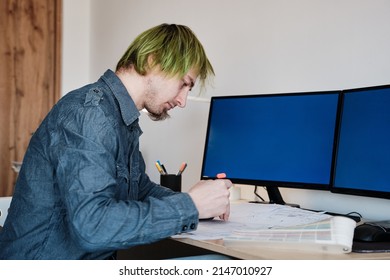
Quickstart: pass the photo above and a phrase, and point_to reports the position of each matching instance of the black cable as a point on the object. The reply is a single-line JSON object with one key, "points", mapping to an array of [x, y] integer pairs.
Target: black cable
{"points": [[256, 194], [354, 214]]}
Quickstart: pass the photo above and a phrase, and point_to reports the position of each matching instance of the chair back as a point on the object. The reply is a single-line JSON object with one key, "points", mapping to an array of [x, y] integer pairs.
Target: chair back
{"points": [[4, 205]]}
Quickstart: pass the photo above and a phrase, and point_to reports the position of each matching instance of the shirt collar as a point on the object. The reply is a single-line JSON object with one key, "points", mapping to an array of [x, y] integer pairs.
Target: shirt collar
{"points": [[127, 106]]}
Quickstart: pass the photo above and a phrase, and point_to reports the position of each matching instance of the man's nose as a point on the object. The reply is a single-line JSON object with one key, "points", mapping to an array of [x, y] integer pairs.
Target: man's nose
{"points": [[181, 99]]}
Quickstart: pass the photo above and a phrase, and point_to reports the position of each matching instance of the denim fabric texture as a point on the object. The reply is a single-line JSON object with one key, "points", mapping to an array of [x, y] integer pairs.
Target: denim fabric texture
{"points": [[82, 191]]}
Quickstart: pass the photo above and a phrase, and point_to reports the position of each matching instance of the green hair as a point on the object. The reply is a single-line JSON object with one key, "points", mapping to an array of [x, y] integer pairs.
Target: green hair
{"points": [[174, 48]]}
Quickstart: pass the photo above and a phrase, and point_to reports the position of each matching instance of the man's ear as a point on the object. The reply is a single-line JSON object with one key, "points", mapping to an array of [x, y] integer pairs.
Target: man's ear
{"points": [[151, 62]]}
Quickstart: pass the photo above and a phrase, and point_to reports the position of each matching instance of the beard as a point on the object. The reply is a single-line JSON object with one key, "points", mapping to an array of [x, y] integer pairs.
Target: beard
{"points": [[155, 111], [157, 116]]}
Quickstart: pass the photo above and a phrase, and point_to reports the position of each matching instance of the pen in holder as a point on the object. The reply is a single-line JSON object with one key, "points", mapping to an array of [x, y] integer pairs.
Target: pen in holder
{"points": [[171, 181]]}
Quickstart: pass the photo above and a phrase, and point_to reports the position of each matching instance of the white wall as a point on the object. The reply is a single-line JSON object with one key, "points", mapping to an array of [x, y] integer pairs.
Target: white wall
{"points": [[255, 46], [76, 46]]}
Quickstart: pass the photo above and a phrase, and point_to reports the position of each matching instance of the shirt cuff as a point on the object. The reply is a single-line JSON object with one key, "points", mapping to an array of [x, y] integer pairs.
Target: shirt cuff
{"points": [[188, 213]]}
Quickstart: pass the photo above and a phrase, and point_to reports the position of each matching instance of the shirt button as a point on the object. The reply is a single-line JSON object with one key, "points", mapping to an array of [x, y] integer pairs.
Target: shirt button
{"points": [[192, 226], [185, 228]]}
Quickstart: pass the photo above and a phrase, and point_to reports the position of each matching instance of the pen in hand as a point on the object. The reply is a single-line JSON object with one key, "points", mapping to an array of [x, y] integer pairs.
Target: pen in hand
{"points": [[225, 216], [221, 175]]}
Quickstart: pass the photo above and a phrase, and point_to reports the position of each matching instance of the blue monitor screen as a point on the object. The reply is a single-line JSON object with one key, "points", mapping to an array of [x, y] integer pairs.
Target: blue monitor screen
{"points": [[282, 140], [363, 157]]}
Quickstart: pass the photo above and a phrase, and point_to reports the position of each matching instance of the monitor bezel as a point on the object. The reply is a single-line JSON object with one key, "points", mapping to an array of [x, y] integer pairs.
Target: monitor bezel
{"points": [[271, 183], [354, 191]]}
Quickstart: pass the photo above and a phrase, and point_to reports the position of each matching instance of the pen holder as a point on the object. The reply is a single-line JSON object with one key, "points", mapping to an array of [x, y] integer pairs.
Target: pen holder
{"points": [[171, 181]]}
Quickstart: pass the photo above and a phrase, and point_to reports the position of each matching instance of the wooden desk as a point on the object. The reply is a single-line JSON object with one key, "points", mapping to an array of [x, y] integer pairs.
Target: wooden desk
{"points": [[180, 247], [266, 253], [175, 248]]}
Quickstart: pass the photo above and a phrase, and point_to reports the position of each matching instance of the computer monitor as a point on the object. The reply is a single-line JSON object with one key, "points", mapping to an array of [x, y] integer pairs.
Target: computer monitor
{"points": [[272, 140], [362, 165]]}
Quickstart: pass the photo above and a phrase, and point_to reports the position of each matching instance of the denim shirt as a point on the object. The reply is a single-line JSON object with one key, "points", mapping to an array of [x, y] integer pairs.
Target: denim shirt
{"points": [[82, 191]]}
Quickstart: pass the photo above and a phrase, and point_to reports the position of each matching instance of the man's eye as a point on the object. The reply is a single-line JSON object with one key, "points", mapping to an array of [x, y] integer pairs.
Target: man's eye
{"points": [[186, 84]]}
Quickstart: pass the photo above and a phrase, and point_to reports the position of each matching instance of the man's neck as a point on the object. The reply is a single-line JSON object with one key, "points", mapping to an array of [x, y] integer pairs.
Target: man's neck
{"points": [[134, 84]]}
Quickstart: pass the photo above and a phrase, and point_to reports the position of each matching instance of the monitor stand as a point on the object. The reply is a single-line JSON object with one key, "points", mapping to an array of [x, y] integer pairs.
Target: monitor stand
{"points": [[275, 197]]}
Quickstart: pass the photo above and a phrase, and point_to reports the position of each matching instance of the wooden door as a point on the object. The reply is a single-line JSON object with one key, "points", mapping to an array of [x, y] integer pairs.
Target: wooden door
{"points": [[29, 76]]}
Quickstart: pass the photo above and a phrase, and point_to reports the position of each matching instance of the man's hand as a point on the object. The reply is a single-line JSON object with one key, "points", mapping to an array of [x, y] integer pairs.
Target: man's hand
{"points": [[211, 198]]}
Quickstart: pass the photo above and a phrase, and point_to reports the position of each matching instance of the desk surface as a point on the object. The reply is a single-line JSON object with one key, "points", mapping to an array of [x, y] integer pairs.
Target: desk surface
{"points": [[267, 253]]}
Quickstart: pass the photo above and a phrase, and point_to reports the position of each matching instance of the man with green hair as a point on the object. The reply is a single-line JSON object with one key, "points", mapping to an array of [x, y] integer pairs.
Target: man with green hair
{"points": [[82, 191]]}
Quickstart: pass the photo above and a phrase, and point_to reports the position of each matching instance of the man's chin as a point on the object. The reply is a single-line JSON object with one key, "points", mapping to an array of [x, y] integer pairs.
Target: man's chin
{"points": [[159, 117]]}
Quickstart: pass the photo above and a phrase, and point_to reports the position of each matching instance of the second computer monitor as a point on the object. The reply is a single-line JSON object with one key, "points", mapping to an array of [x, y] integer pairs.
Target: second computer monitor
{"points": [[362, 165]]}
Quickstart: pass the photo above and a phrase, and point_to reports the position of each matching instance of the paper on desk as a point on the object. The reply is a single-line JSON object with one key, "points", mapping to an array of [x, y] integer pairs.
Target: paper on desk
{"points": [[253, 216]]}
